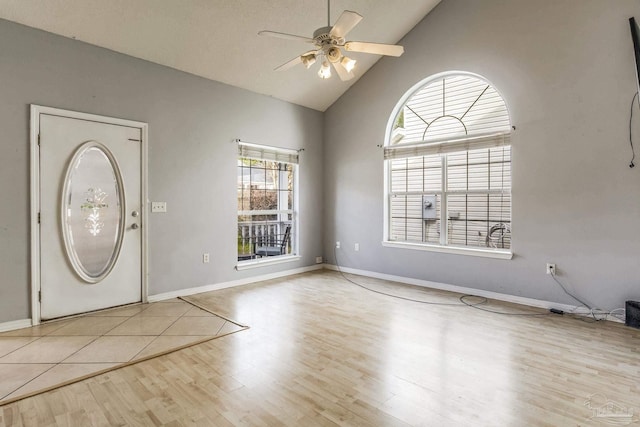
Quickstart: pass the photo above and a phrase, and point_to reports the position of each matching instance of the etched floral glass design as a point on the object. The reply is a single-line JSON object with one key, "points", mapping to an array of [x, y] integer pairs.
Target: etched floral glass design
{"points": [[92, 212], [95, 202]]}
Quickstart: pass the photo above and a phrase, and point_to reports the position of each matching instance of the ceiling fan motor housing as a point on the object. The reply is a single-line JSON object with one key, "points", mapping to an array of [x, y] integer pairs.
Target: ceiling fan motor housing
{"points": [[328, 43], [322, 34]]}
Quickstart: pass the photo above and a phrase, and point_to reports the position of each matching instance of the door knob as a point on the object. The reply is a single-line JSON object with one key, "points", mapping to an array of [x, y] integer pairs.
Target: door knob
{"points": [[135, 214], [134, 226]]}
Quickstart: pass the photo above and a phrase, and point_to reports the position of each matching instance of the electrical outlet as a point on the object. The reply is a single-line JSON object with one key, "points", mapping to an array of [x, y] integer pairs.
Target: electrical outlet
{"points": [[205, 258], [337, 245], [551, 269], [356, 247], [318, 260]]}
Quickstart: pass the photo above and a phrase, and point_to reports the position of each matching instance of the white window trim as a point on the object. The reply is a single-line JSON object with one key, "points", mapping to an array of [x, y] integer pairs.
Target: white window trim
{"points": [[266, 261], [456, 250], [295, 219]]}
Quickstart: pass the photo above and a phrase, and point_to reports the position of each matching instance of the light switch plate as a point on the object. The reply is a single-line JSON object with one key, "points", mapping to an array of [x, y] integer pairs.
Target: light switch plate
{"points": [[157, 207]]}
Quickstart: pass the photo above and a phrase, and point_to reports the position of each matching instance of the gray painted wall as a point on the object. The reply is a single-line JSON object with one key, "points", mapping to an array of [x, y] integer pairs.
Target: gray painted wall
{"points": [[566, 71], [192, 159]]}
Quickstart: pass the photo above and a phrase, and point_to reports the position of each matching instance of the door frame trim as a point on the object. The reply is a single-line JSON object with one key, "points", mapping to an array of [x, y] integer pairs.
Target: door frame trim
{"points": [[36, 112]]}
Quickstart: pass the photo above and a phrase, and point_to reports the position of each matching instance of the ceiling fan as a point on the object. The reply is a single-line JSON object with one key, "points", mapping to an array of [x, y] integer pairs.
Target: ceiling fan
{"points": [[329, 43]]}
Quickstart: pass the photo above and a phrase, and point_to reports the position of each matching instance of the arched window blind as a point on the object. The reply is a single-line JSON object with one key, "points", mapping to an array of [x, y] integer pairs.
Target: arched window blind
{"points": [[449, 166]]}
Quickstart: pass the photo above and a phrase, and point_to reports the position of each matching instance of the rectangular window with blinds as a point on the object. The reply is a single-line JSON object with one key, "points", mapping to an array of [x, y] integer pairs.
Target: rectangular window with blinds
{"points": [[468, 184], [266, 193]]}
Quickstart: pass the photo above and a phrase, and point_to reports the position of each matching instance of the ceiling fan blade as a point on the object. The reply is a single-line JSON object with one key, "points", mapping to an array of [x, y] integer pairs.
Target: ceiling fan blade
{"points": [[345, 23], [342, 72], [375, 48], [285, 36], [295, 61]]}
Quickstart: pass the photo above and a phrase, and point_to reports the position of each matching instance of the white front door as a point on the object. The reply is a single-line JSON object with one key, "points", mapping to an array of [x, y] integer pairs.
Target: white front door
{"points": [[90, 205]]}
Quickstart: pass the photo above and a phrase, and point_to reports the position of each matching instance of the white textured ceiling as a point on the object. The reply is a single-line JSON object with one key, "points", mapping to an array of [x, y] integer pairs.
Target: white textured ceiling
{"points": [[217, 39]]}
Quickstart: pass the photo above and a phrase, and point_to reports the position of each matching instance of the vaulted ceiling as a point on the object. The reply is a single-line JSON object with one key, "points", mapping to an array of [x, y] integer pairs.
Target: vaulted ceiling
{"points": [[218, 39]]}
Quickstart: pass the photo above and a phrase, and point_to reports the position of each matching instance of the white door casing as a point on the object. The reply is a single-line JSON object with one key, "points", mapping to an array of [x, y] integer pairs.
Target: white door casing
{"points": [[74, 145]]}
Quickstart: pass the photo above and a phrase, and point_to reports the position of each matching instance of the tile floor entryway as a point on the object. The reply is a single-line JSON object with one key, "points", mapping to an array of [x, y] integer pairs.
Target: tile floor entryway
{"points": [[41, 357]]}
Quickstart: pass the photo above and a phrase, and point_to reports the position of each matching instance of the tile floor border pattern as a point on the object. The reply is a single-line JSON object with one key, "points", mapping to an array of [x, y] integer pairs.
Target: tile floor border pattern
{"points": [[38, 334], [193, 301]]}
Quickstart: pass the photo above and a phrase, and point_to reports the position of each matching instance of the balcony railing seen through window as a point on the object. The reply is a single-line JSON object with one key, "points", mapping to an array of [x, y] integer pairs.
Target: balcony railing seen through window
{"points": [[266, 216]]}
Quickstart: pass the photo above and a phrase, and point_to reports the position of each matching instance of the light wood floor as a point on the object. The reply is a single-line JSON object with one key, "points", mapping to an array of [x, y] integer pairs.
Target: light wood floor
{"points": [[324, 352]]}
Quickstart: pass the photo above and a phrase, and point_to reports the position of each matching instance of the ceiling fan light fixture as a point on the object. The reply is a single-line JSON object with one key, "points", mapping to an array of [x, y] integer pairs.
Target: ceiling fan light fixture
{"points": [[308, 60], [348, 63], [325, 71], [333, 54]]}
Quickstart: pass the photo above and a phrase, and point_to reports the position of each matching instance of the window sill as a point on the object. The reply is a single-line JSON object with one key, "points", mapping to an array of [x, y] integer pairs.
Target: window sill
{"points": [[263, 262], [486, 253]]}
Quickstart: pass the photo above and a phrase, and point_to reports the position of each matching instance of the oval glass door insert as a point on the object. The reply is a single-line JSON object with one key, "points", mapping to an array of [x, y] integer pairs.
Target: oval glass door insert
{"points": [[93, 211]]}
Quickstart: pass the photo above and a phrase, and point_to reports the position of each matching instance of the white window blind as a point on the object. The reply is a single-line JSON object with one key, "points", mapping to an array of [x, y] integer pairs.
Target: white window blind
{"points": [[263, 152], [403, 151], [454, 106], [451, 144], [266, 186]]}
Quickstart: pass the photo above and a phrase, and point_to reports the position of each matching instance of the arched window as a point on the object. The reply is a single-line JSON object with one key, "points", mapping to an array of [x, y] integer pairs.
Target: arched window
{"points": [[448, 168]]}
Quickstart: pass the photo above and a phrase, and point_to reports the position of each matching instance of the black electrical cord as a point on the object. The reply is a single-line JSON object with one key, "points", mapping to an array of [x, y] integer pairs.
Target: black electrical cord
{"points": [[570, 294], [462, 299], [464, 303], [483, 300], [633, 152], [593, 312]]}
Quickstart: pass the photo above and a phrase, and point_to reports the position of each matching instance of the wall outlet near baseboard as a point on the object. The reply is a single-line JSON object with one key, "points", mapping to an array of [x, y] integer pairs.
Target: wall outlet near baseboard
{"points": [[337, 245], [319, 260], [205, 258], [551, 269]]}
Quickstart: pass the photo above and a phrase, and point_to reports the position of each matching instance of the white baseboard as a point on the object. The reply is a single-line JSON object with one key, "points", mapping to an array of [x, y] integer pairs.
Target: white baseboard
{"points": [[25, 323], [15, 324], [231, 284], [463, 290]]}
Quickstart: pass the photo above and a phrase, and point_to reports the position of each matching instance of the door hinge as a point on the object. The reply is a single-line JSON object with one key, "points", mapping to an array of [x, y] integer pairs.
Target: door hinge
{"points": [[39, 296], [38, 139], [38, 217]]}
